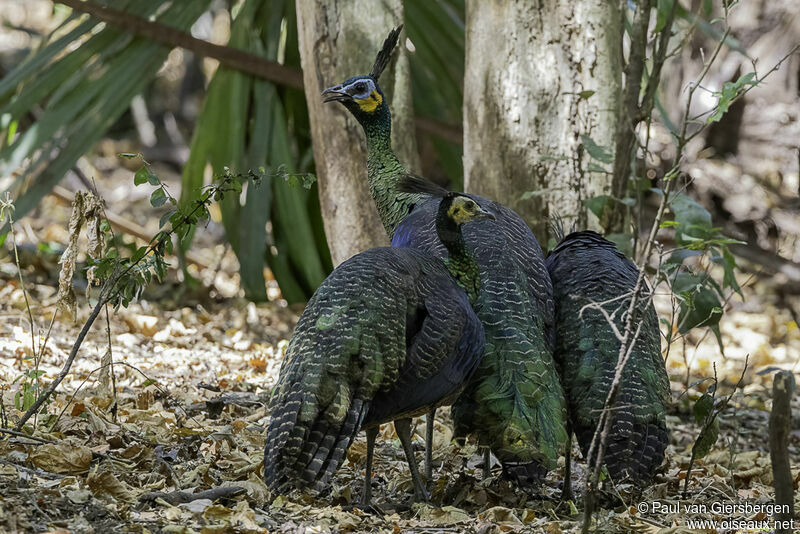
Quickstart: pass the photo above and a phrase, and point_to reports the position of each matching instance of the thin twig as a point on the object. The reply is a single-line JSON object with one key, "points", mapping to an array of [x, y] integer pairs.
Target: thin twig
{"points": [[107, 293], [113, 373], [37, 472], [25, 436]]}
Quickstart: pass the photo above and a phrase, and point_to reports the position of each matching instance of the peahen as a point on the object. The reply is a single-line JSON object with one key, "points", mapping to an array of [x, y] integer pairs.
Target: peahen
{"points": [[514, 403], [589, 271], [388, 335]]}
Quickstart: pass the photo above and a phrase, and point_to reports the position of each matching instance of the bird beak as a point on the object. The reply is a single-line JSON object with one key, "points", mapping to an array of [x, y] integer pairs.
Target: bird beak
{"points": [[335, 94], [483, 214]]}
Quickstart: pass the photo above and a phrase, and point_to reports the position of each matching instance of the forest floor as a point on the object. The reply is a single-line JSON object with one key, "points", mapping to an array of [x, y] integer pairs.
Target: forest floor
{"points": [[185, 406], [185, 410]]}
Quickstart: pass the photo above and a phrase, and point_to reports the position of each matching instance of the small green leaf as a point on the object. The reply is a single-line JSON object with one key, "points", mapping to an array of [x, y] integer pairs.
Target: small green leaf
{"points": [[598, 152], [702, 408], [728, 263], [584, 95], [663, 12], [141, 176], [728, 93], [158, 198], [139, 254], [698, 300], [706, 440], [693, 220], [597, 205], [164, 218]]}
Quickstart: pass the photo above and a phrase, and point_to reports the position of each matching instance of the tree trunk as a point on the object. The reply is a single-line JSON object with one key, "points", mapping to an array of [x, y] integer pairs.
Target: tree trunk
{"points": [[340, 39], [530, 68]]}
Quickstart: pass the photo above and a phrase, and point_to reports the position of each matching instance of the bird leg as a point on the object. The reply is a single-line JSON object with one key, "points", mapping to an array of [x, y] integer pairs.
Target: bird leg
{"points": [[366, 495], [487, 463], [403, 429], [566, 491], [429, 419]]}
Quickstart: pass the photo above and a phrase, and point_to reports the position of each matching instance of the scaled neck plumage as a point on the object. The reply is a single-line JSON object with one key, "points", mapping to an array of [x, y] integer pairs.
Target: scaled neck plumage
{"points": [[461, 262], [384, 170]]}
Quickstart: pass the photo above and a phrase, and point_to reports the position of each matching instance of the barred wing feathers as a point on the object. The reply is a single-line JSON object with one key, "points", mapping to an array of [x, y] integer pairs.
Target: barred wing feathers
{"points": [[388, 333]]}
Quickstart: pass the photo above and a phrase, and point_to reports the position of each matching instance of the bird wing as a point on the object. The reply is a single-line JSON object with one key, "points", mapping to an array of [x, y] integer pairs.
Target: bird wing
{"points": [[374, 327], [445, 344]]}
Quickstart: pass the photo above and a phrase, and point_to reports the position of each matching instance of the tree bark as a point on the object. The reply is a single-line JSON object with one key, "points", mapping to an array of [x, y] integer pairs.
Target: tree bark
{"points": [[340, 39], [529, 69]]}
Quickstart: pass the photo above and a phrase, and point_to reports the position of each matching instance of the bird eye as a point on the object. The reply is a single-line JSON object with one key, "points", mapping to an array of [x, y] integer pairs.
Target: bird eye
{"points": [[361, 87]]}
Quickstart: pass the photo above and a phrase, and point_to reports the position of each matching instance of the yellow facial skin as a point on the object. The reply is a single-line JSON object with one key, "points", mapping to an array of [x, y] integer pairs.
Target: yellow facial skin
{"points": [[462, 210], [370, 104]]}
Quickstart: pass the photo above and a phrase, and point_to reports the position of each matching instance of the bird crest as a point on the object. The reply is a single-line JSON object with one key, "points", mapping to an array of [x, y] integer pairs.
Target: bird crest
{"points": [[411, 183], [385, 55]]}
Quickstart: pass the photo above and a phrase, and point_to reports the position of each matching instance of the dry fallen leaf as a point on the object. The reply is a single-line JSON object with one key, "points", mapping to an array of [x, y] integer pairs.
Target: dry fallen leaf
{"points": [[63, 458], [104, 483]]}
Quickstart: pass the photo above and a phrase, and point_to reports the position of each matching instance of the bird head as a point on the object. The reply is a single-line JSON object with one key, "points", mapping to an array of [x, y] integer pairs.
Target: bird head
{"points": [[361, 95], [454, 207], [462, 209]]}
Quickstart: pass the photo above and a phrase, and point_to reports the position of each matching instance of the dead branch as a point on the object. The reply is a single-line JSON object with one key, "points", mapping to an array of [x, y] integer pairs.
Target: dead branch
{"points": [[123, 224], [23, 435], [240, 60], [780, 424], [178, 497], [161, 33]]}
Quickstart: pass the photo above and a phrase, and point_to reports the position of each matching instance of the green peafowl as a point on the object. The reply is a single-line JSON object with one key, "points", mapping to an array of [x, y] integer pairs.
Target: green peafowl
{"points": [[514, 404], [587, 272], [388, 335]]}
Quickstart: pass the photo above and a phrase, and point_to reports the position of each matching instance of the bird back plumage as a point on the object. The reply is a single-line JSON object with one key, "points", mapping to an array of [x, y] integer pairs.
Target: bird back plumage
{"points": [[588, 271]]}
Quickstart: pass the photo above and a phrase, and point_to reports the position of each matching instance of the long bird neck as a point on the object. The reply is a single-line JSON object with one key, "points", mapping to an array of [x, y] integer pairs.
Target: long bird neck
{"points": [[460, 262], [384, 171]]}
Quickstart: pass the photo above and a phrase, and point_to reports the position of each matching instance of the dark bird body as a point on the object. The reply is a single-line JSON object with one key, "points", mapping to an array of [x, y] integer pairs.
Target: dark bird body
{"points": [[587, 270], [388, 335], [514, 403]]}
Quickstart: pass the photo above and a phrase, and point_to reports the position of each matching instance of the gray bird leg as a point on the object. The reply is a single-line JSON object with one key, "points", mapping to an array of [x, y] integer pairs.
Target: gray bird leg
{"points": [[487, 463], [366, 495], [566, 491], [403, 429], [429, 419]]}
